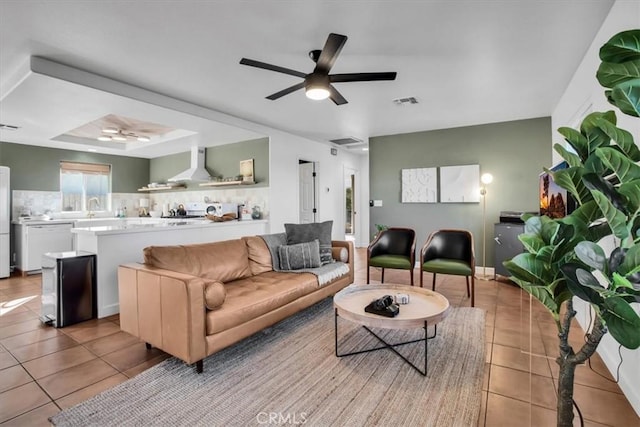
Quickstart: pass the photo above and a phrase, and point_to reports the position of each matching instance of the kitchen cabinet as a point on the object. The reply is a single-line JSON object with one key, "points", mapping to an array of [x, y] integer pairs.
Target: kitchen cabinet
{"points": [[37, 238]]}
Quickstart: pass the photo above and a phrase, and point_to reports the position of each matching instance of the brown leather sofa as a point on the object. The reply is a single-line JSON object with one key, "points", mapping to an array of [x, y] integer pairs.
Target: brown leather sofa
{"points": [[194, 300]]}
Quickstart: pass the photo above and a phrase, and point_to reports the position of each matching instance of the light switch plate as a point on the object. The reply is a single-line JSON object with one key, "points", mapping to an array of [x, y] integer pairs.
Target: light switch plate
{"points": [[377, 203]]}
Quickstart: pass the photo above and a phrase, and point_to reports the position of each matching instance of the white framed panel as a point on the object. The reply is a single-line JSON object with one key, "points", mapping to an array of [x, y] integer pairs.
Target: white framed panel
{"points": [[420, 185], [460, 184]]}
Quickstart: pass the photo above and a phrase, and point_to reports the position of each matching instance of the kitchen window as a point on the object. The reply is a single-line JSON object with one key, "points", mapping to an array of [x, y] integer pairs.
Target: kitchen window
{"points": [[85, 186]]}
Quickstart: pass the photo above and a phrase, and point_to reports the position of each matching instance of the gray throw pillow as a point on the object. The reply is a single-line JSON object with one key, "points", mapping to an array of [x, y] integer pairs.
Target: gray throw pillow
{"points": [[300, 255], [300, 233]]}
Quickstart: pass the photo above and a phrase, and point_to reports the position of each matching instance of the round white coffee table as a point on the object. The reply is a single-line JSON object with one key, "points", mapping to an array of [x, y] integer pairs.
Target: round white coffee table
{"points": [[425, 308]]}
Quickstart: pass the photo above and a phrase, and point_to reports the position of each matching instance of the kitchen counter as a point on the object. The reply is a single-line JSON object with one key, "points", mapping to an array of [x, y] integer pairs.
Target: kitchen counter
{"points": [[123, 241], [160, 225]]}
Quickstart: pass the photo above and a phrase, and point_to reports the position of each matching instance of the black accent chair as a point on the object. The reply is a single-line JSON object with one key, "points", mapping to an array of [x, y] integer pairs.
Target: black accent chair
{"points": [[394, 247], [449, 252]]}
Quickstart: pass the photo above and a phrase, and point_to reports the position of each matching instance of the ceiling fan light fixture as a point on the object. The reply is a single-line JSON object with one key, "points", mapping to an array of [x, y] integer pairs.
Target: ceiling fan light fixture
{"points": [[104, 138], [143, 139], [110, 130], [316, 86], [119, 137]]}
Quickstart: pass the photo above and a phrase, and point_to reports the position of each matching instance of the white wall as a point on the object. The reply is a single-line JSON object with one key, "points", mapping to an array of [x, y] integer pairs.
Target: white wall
{"points": [[285, 150], [584, 95]]}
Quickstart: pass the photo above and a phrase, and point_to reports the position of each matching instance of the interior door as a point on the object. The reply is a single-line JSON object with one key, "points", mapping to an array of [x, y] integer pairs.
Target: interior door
{"points": [[350, 202], [307, 179]]}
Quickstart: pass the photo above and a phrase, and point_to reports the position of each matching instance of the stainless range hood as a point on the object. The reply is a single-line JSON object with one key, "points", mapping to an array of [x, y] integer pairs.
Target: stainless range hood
{"points": [[197, 171]]}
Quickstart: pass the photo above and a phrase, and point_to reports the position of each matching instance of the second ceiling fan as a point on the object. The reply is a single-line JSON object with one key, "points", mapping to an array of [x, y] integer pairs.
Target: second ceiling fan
{"points": [[317, 84]]}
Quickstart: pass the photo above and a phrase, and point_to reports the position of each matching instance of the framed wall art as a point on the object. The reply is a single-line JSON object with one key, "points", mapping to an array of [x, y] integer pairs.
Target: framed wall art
{"points": [[420, 185], [460, 184]]}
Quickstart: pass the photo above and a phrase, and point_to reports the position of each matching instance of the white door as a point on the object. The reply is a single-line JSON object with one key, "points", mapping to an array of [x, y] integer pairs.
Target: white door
{"points": [[307, 179]]}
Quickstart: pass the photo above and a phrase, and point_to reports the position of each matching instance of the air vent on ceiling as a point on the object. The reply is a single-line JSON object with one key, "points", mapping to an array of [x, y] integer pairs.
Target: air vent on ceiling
{"points": [[8, 127], [405, 101], [346, 142]]}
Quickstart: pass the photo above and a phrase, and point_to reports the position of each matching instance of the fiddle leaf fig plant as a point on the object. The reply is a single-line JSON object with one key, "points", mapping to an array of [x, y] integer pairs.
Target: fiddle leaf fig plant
{"points": [[566, 258]]}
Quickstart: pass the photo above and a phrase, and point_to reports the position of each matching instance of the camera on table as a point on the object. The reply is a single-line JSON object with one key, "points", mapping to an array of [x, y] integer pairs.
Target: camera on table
{"points": [[383, 306]]}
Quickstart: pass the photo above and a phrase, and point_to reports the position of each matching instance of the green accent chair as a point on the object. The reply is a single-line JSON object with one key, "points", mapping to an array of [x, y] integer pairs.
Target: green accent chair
{"points": [[449, 252], [395, 248]]}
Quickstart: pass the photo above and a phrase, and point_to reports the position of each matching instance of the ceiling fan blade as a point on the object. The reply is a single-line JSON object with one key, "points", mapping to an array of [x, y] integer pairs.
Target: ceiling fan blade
{"points": [[330, 53], [286, 91], [336, 97], [361, 77], [276, 68]]}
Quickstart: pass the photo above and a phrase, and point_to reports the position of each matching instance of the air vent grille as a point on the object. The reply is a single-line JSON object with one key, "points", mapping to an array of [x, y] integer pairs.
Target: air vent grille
{"points": [[405, 101], [345, 142], [8, 127]]}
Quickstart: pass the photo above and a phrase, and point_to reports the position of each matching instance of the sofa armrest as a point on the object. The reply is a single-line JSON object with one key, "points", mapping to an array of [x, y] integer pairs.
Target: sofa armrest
{"points": [[164, 308], [350, 253]]}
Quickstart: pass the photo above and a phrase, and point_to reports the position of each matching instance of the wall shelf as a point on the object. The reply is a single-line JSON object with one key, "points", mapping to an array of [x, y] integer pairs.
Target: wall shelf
{"points": [[162, 187], [226, 183]]}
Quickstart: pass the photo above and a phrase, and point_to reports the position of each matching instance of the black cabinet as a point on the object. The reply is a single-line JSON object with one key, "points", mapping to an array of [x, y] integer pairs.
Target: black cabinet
{"points": [[507, 244]]}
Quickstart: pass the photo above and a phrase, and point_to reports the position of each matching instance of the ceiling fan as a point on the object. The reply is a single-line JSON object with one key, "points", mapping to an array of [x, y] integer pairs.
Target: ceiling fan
{"points": [[317, 84]]}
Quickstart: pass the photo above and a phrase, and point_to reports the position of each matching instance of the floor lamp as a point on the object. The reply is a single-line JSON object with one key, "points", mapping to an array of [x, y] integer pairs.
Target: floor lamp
{"points": [[486, 179]]}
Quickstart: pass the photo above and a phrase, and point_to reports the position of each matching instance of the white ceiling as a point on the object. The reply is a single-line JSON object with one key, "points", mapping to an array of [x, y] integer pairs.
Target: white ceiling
{"points": [[466, 62]]}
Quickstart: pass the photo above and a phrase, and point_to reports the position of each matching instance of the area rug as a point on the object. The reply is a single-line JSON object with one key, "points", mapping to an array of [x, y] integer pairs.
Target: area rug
{"points": [[289, 375]]}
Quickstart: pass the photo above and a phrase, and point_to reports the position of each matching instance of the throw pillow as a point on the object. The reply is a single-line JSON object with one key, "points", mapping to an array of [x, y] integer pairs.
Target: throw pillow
{"points": [[300, 233], [300, 255], [340, 254], [214, 295]]}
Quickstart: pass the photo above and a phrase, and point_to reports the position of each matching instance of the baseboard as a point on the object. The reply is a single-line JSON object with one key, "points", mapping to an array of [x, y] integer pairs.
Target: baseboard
{"points": [[490, 271]]}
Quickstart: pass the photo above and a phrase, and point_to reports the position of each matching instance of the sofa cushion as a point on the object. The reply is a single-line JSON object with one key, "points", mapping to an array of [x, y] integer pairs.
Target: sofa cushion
{"points": [[259, 255], [254, 296], [223, 261], [300, 233], [300, 255], [214, 294]]}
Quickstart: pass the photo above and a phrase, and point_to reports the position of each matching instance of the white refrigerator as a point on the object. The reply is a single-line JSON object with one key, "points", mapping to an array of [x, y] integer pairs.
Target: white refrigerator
{"points": [[5, 217]]}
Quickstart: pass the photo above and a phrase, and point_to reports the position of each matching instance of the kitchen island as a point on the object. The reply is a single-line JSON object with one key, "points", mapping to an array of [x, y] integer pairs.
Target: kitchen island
{"points": [[124, 242]]}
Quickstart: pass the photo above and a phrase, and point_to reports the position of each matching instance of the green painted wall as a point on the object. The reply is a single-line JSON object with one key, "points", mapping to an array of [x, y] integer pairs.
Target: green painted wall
{"points": [[38, 168], [222, 160], [513, 152]]}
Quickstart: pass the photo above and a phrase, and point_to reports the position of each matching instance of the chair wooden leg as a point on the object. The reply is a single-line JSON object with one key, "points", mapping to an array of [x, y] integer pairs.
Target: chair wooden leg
{"points": [[473, 292], [421, 277], [367, 274], [382, 278], [411, 272], [467, 277], [433, 285]]}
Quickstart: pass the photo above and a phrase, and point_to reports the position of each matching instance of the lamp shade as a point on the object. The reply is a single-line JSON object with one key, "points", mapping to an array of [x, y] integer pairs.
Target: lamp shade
{"points": [[486, 178]]}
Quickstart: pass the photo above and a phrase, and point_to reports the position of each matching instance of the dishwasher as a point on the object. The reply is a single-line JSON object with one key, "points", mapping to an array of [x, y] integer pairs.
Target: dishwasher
{"points": [[34, 240]]}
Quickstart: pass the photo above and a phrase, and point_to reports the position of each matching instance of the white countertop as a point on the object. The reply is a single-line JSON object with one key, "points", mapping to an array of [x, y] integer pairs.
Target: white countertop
{"points": [[126, 227]]}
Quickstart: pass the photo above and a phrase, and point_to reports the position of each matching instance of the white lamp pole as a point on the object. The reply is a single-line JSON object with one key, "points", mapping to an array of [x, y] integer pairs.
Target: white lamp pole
{"points": [[486, 179]]}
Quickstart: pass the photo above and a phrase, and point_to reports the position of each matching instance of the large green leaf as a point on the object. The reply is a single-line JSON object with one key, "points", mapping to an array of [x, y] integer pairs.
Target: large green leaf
{"points": [[545, 254], [595, 183], [626, 170], [576, 140], [541, 293], [528, 268], [631, 263], [610, 74], [533, 225], [617, 220], [572, 159], [531, 242], [622, 321], [622, 47], [591, 254], [623, 138], [571, 180], [570, 272], [595, 136], [626, 96], [585, 278], [631, 190], [587, 213], [549, 229]]}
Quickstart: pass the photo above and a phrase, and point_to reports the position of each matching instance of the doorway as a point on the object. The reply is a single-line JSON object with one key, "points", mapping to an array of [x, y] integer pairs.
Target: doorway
{"points": [[308, 188], [350, 210]]}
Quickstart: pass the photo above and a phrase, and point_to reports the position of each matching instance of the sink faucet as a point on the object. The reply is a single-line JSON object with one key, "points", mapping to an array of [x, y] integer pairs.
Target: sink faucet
{"points": [[93, 199]]}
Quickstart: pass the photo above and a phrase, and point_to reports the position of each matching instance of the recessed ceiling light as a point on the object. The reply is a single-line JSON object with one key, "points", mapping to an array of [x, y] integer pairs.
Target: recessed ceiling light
{"points": [[93, 150], [365, 148]]}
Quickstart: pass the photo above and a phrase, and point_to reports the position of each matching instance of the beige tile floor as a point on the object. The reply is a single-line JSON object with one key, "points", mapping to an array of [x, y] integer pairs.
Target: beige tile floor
{"points": [[44, 369]]}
